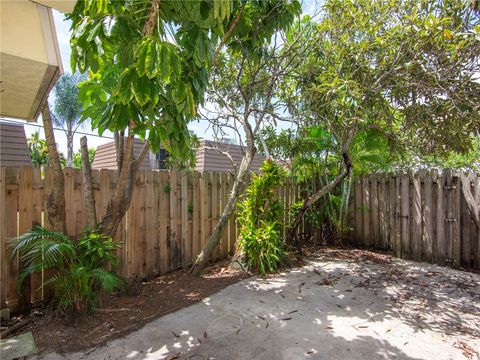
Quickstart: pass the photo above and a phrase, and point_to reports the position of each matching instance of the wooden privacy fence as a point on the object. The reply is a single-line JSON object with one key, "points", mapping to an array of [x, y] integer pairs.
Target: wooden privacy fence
{"points": [[421, 216], [171, 216]]}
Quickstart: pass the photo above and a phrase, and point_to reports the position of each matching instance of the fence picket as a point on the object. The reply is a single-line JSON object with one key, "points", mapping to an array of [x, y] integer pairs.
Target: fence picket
{"points": [[25, 220], [416, 222], [421, 216], [164, 229], [476, 233], [151, 225], [456, 211], [428, 219], [11, 227], [186, 249], [37, 195], [3, 237], [172, 215], [405, 215], [366, 210]]}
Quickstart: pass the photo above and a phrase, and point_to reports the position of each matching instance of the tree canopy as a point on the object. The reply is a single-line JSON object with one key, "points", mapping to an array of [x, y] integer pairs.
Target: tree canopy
{"points": [[67, 108], [150, 61], [408, 69]]}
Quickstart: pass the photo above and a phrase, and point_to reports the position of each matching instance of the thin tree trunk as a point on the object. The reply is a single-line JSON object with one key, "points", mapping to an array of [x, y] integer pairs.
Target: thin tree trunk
{"points": [[470, 200], [88, 184], [120, 201], [56, 198], [291, 237], [237, 189], [69, 147], [119, 137]]}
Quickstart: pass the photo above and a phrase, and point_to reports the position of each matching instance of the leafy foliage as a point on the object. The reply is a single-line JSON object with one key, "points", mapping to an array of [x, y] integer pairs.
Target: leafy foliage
{"points": [[67, 108], [408, 70], [77, 158], [261, 220], [66, 105], [80, 273], [38, 150], [149, 61], [389, 83]]}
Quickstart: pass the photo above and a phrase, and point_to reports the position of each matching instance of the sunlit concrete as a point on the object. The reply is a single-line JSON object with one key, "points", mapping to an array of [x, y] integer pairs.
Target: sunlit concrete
{"points": [[327, 310]]}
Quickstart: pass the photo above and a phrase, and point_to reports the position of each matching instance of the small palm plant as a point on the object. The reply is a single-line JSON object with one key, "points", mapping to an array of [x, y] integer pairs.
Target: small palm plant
{"points": [[80, 274]]}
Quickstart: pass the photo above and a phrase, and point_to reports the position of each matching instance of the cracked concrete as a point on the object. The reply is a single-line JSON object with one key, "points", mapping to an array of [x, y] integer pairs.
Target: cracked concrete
{"points": [[330, 309]]}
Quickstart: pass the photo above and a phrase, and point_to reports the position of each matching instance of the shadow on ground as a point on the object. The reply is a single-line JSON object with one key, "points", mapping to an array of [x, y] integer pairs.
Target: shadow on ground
{"points": [[337, 307]]}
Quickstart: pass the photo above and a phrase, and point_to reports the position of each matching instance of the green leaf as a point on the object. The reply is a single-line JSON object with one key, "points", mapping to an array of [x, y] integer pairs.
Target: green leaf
{"points": [[151, 60]]}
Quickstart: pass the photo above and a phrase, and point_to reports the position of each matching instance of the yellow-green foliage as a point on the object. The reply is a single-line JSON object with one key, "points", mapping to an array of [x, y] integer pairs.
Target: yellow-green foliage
{"points": [[261, 221]]}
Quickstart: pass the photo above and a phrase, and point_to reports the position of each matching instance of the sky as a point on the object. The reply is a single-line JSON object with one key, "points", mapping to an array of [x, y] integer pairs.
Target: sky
{"points": [[200, 128]]}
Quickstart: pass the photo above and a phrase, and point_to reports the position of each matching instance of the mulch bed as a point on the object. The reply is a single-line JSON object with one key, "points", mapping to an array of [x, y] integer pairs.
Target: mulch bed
{"points": [[124, 313]]}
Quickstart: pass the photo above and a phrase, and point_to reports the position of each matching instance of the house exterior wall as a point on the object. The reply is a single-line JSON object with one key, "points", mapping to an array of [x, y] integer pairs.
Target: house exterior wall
{"points": [[30, 59], [13, 146]]}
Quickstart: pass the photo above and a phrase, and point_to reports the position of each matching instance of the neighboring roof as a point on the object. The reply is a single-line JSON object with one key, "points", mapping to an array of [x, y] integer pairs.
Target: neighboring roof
{"points": [[209, 159], [13, 145], [106, 156]]}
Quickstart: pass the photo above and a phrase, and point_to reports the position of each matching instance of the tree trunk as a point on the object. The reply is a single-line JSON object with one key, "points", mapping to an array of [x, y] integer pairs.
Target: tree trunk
{"points": [[56, 198], [127, 165], [88, 184], [472, 203], [69, 148], [119, 137], [120, 201], [214, 239], [291, 237]]}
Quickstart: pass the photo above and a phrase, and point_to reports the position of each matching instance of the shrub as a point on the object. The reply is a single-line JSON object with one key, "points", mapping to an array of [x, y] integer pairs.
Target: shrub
{"points": [[261, 221], [80, 273]]}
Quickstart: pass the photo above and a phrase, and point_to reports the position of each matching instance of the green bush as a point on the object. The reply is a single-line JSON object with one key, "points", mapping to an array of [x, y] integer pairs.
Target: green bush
{"points": [[261, 221], [80, 265]]}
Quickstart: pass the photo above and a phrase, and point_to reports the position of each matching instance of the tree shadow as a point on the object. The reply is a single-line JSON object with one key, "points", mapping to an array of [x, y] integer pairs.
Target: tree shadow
{"points": [[335, 309]]}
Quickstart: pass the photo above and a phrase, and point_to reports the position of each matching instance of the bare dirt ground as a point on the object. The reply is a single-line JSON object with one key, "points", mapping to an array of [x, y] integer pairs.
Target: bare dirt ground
{"points": [[124, 313], [342, 304]]}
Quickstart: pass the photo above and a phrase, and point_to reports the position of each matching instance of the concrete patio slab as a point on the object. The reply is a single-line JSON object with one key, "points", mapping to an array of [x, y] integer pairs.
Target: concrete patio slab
{"points": [[17, 346], [330, 309]]}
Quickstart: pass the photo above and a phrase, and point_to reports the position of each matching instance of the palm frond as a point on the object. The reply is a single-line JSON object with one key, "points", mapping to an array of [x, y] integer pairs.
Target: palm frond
{"points": [[107, 281]]}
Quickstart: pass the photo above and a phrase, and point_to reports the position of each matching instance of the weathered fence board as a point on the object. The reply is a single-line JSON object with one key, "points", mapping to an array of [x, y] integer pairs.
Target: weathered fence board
{"points": [[423, 217], [170, 217]]}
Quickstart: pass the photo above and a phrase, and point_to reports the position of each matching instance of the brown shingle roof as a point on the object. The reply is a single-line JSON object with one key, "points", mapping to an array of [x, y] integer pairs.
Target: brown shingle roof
{"points": [[13, 145], [106, 157], [212, 160]]}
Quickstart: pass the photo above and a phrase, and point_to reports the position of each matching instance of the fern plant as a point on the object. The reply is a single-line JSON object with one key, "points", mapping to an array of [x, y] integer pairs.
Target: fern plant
{"points": [[80, 265], [261, 221]]}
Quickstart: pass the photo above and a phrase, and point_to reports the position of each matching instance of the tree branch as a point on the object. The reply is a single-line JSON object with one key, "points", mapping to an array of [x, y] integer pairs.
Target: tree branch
{"points": [[227, 35]]}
